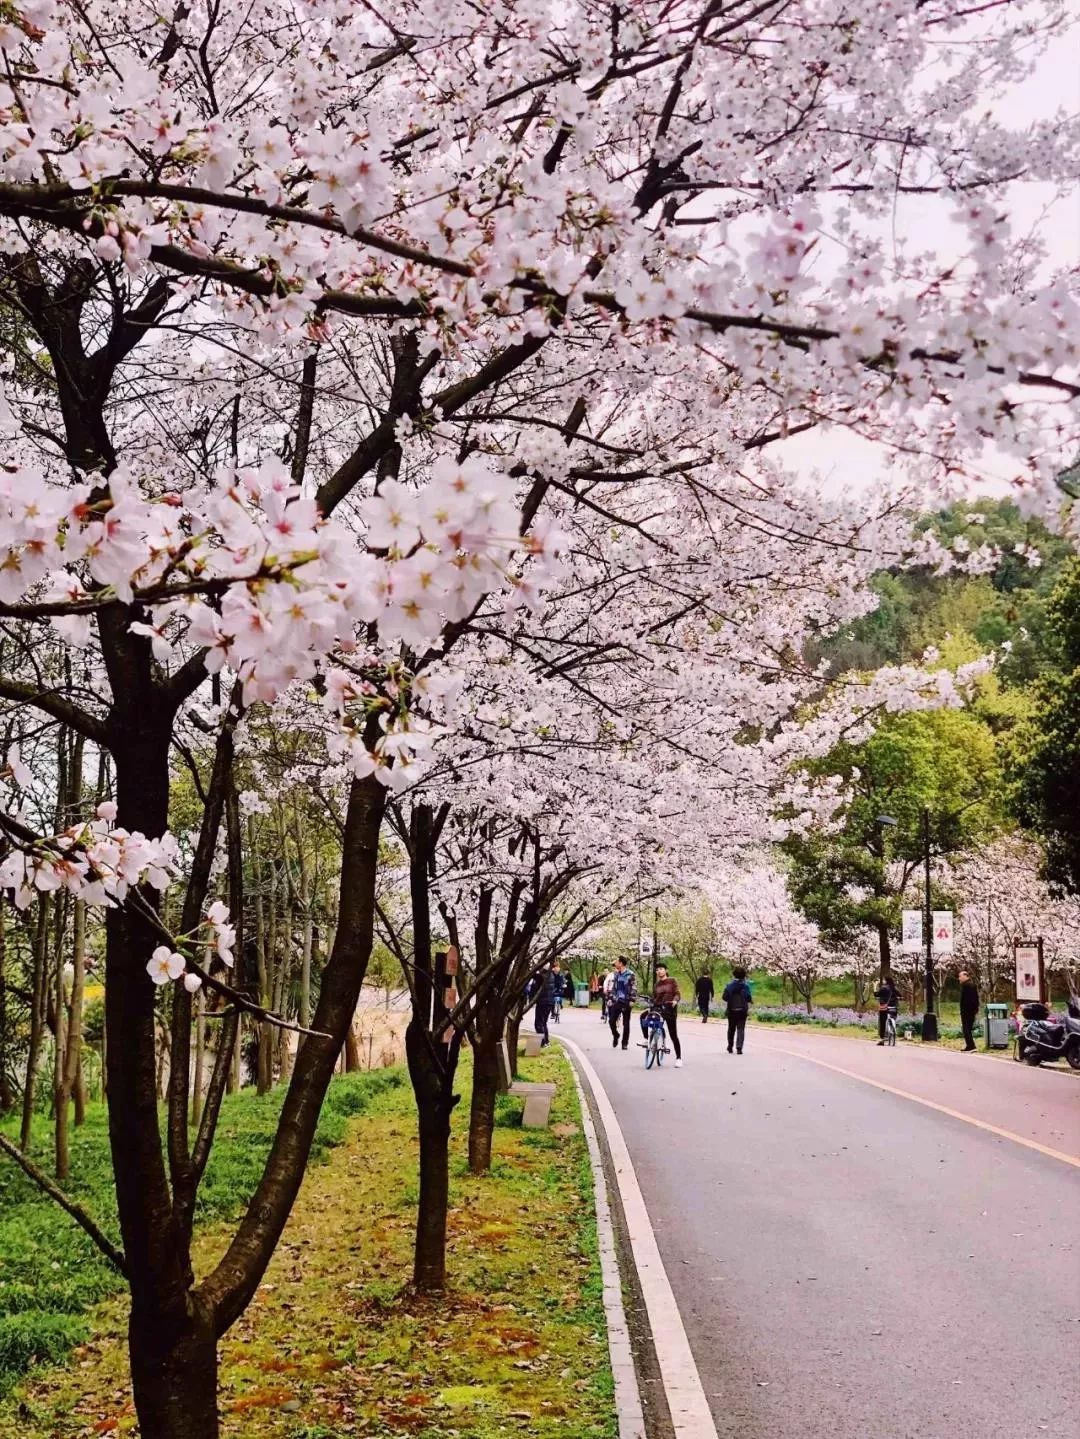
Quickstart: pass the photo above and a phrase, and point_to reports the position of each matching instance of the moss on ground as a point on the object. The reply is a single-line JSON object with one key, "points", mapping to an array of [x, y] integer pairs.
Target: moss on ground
{"points": [[335, 1345]]}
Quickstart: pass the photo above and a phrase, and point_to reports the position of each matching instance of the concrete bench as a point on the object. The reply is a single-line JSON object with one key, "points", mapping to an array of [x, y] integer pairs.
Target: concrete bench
{"points": [[538, 1099], [532, 1046]]}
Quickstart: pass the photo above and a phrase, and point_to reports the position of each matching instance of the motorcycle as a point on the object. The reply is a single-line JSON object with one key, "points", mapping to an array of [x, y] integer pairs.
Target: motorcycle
{"points": [[1042, 1041]]}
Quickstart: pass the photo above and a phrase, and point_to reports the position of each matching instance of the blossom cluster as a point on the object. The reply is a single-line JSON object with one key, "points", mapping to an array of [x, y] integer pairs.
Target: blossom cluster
{"points": [[96, 861]]}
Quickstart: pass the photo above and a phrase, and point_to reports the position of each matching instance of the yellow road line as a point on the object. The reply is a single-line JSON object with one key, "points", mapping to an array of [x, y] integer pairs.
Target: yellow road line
{"points": [[930, 1104]]}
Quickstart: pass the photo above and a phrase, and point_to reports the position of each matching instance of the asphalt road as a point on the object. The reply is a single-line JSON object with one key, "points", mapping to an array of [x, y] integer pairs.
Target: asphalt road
{"points": [[850, 1263]]}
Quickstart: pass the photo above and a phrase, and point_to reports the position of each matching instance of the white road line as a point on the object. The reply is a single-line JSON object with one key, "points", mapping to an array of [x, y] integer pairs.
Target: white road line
{"points": [[627, 1394], [690, 1413], [931, 1104]]}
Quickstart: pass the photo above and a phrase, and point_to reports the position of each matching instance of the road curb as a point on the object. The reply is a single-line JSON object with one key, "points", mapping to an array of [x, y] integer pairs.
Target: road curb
{"points": [[691, 1417], [628, 1407]]}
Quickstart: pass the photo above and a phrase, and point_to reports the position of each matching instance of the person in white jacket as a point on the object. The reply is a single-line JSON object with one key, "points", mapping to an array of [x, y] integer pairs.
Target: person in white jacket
{"points": [[605, 993]]}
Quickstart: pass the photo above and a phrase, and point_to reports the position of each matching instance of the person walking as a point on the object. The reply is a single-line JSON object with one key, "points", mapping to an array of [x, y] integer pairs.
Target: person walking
{"points": [[969, 1009], [666, 998], [738, 997], [621, 1002], [703, 993], [888, 1002], [545, 1001], [605, 994]]}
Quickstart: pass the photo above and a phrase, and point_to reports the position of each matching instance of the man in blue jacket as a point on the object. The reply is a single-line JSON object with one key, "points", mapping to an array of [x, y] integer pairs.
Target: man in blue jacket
{"points": [[621, 1002], [738, 997]]}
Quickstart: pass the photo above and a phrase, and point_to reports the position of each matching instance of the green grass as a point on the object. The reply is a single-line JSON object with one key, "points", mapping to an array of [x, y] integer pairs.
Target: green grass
{"points": [[51, 1274], [336, 1346]]}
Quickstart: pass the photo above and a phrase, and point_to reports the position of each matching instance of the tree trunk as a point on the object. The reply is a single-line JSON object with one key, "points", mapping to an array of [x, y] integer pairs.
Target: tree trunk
{"points": [[352, 1051], [484, 1093], [80, 1095], [68, 1054], [433, 1087], [174, 1375], [513, 1034], [172, 1346], [884, 950], [7, 1096], [37, 1020], [200, 1059]]}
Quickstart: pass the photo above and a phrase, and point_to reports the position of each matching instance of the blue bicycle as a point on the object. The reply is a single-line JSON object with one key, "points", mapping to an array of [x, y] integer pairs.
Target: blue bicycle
{"points": [[556, 1008], [655, 1042]]}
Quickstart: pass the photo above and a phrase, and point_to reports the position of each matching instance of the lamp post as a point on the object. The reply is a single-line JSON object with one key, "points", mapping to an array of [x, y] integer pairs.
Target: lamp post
{"points": [[885, 822], [929, 1024]]}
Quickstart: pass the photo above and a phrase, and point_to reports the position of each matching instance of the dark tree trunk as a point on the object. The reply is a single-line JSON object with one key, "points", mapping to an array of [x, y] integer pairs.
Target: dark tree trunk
{"points": [[174, 1375], [513, 1034], [432, 1082], [884, 950], [229, 1289], [484, 1093], [173, 1358]]}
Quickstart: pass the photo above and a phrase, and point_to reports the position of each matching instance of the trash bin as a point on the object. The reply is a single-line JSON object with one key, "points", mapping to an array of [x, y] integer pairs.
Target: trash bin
{"points": [[581, 996], [997, 1026]]}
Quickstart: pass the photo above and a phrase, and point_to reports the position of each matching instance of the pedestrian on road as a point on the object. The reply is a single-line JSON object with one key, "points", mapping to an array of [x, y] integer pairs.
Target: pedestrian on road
{"points": [[703, 993], [605, 994], [594, 986], [545, 1001], [738, 996], [969, 1008], [888, 1002], [666, 998], [621, 1002]]}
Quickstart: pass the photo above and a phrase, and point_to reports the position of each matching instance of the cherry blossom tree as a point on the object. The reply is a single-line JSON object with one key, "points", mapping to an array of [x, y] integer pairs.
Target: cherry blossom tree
{"points": [[333, 337]]}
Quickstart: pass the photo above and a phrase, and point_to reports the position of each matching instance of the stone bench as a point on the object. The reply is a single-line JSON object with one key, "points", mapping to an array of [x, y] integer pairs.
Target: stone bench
{"points": [[532, 1046], [538, 1099]]}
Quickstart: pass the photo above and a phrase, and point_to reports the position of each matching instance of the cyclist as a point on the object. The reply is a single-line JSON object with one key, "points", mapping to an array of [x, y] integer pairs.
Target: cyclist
{"points": [[666, 999], [556, 991], [621, 1002], [888, 1001]]}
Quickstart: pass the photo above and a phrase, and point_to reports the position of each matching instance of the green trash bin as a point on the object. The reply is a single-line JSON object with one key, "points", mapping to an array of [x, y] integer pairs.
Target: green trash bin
{"points": [[581, 996], [997, 1026]]}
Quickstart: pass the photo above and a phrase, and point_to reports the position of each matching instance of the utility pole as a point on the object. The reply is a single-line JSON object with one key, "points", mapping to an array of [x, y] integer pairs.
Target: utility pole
{"points": [[929, 1024]]}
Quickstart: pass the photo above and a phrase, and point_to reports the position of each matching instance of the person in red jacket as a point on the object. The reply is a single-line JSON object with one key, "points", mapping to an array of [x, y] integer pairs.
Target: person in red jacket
{"points": [[665, 998]]}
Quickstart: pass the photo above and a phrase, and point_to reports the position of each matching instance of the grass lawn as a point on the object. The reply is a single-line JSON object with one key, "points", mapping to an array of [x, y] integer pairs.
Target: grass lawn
{"points": [[334, 1345]]}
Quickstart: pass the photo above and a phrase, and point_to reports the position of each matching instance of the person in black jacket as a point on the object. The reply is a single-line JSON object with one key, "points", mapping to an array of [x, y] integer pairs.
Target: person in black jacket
{"points": [[703, 993], [738, 996], [969, 1009], [888, 999], [545, 999]]}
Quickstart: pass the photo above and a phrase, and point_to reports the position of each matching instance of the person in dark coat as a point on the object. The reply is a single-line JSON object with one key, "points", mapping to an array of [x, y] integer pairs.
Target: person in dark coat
{"points": [[703, 993], [969, 1009], [888, 1002], [738, 996], [545, 1000]]}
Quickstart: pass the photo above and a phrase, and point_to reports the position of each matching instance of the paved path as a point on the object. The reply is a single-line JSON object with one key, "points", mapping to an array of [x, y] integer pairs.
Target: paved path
{"points": [[850, 1263]]}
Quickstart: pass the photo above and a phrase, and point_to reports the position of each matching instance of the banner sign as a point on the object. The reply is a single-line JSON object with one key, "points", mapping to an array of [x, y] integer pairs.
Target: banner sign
{"points": [[913, 927], [1029, 970], [943, 931]]}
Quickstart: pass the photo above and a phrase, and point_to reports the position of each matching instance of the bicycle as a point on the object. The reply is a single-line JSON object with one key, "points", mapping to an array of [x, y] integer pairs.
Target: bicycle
{"points": [[556, 1008], [890, 1028], [652, 1022]]}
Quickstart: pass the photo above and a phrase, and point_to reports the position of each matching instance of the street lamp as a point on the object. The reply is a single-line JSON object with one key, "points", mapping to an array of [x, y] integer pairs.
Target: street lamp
{"points": [[929, 1023], [885, 822]]}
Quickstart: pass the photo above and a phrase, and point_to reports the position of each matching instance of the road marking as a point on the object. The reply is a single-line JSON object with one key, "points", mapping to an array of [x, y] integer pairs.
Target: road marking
{"points": [[931, 1104], [690, 1412], [627, 1394]]}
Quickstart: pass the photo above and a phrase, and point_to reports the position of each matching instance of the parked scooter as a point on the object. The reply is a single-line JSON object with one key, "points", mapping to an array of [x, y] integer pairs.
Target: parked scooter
{"points": [[1041, 1041]]}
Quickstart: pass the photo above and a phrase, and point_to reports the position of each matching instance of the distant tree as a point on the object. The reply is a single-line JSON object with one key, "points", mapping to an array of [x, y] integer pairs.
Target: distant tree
{"points": [[1043, 762], [850, 875]]}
